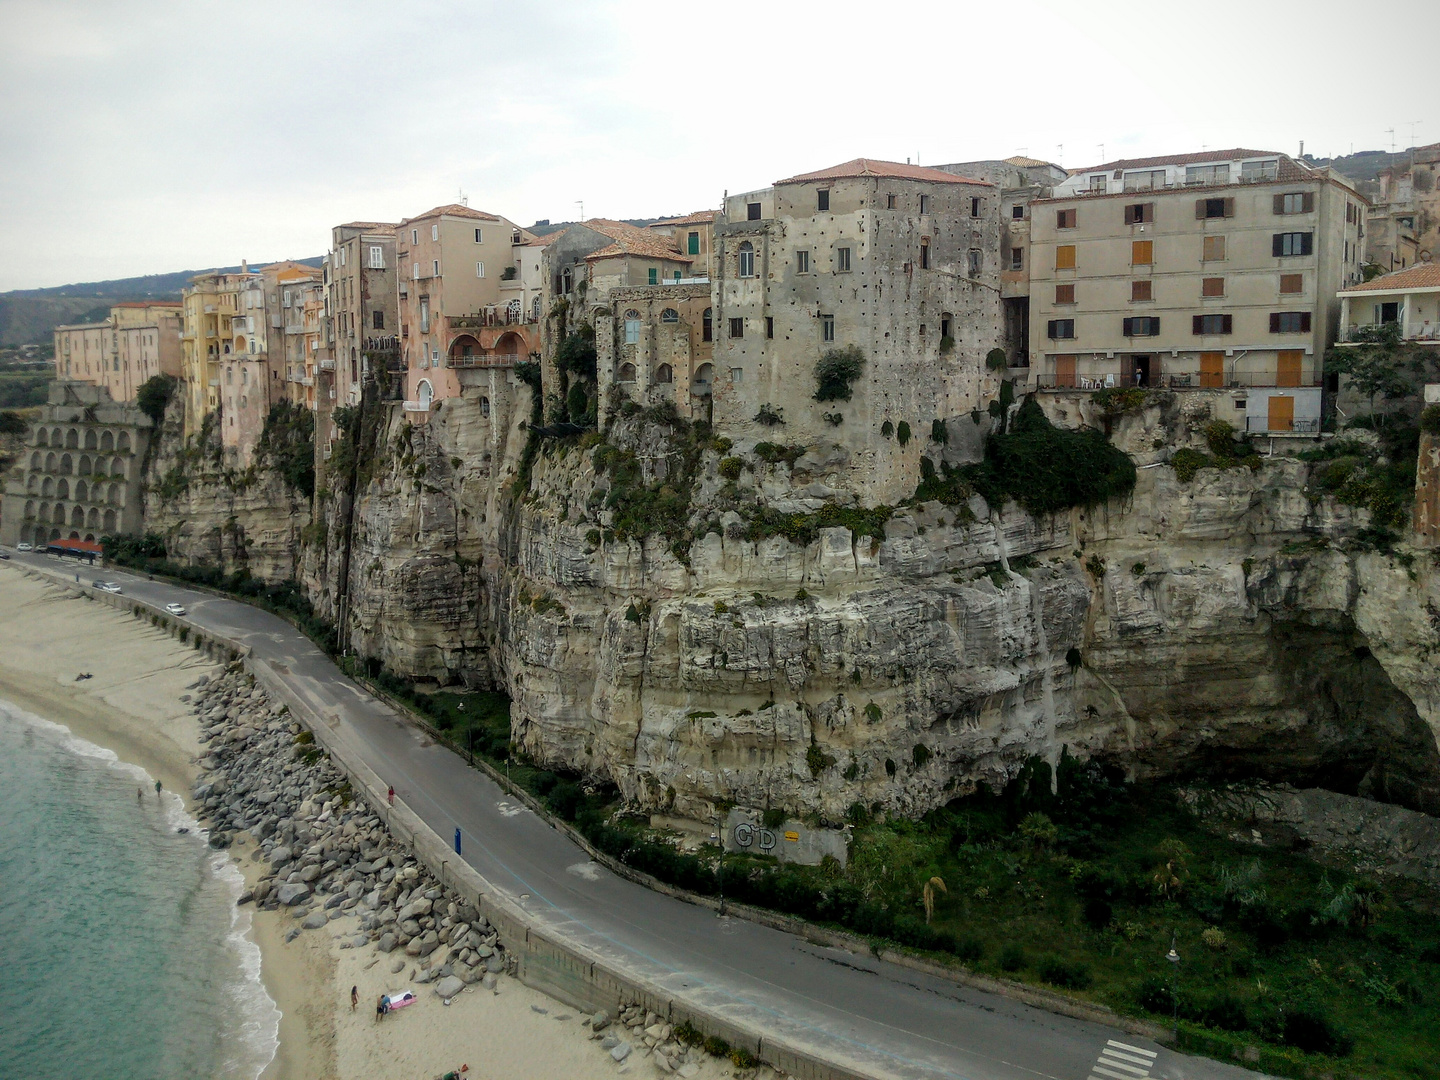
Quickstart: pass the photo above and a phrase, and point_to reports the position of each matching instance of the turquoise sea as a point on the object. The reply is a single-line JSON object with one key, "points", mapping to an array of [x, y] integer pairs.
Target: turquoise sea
{"points": [[124, 955]]}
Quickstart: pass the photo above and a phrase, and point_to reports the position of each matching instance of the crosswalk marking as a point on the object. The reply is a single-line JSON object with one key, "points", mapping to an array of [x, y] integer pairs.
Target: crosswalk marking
{"points": [[1132, 1062]]}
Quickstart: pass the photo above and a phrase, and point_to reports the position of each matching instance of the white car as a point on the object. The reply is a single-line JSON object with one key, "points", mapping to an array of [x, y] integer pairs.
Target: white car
{"points": [[109, 586], [175, 609], [24, 547]]}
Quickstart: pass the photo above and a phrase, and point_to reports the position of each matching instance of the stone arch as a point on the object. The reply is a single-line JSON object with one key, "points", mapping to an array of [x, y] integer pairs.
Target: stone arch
{"points": [[62, 489], [74, 535], [463, 346], [109, 520], [32, 482], [707, 325], [117, 467], [626, 373], [117, 495], [89, 537], [55, 437], [77, 517], [92, 519], [48, 487], [35, 460], [57, 514], [664, 374], [80, 490], [107, 441], [424, 393], [485, 408], [50, 461], [669, 315], [72, 439], [54, 534], [123, 442], [29, 509], [92, 442], [511, 344], [84, 465], [67, 465], [704, 376], [42, 437]]}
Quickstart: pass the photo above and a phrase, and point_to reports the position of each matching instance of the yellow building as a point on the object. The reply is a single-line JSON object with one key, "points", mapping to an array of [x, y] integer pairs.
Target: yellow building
{"points": [[138, 341]]}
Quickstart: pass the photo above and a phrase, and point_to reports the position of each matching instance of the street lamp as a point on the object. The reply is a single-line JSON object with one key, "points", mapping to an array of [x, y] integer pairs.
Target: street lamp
{"points": [[1174, 958]]}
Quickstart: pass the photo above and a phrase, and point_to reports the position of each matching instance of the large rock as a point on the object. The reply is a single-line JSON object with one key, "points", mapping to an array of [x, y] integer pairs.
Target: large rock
{"points": [[280, 855], [315, 921], [292, 893], [449, 986]]}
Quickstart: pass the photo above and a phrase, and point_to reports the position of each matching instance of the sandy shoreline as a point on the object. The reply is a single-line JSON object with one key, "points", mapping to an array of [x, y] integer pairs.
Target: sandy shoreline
{"points": [[138, 704]]}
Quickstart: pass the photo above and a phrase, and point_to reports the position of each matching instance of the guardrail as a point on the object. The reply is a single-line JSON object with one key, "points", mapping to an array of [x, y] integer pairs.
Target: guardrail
{"points": [[1260, 425]]}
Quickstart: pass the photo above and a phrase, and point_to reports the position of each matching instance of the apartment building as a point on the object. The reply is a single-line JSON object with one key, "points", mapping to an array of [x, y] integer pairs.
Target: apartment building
{"points": [[462, 300], [361, 302], [226, 360], [1404, 221], [291, 360], [693, 236], [1210, 270], [1409, 299], [652, 341], [136, 342], [897, 261]]}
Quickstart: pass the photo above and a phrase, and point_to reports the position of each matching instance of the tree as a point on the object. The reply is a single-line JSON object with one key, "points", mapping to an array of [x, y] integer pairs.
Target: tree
{"points": [[154, 394], [928, 896], [1373, 363]]}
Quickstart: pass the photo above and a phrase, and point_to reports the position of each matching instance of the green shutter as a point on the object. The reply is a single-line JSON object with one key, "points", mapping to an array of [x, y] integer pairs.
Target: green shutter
{"points": [[654, 276], [694, 246]]}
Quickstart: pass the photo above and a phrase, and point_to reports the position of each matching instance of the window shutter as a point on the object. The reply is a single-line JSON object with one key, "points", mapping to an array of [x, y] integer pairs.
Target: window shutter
{"points": [[1196, 326], [1309, 201], [1307, 243], [1228, 323], [1148, 212], [1305, 322], [1128, 328], [1279, 206], [1230, 207], [1274, 322], [1276, 243], [1129, 215], [1199, 209], [1155, 324], [1051, 328]]}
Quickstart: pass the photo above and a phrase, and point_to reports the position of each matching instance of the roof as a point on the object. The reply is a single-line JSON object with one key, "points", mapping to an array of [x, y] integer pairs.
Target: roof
{"points": [[1419, 276], [700, 217], [632, 240], [546, 240], [87, 546], [452, 210], [873, 167], [1179, 159], [369, 226], [148, 303], [1026, 162]]}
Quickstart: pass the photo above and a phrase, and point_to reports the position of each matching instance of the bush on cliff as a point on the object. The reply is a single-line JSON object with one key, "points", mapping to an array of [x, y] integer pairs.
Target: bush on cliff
{"points": [[154, 395], [287, 445]]}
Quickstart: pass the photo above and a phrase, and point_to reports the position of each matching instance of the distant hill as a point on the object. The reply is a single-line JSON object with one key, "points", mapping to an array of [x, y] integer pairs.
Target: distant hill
{"points": [[29, 315]]}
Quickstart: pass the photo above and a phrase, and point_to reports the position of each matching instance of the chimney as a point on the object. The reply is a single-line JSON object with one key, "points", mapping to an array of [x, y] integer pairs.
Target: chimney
{"points": [[1302, 149], [244, 266]]}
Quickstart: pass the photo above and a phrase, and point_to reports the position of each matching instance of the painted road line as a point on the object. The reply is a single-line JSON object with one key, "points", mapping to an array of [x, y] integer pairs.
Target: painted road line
{"points": [[1132, 1049], [1118, 1076], [1131, 1058]]}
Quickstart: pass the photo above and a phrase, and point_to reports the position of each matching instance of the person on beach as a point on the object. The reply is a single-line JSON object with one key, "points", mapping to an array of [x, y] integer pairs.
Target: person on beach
{"points": [[157, 789], [139, 794], [391, 795], [354, 997], [380, 1008]]}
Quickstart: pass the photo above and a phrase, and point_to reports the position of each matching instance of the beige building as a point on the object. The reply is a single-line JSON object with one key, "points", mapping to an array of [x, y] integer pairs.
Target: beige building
{"points": [[652, 340], [361, 303], [1408, 299], [467, 287], [292, 356], [138, 341], [897, 261], [1404, 223], [693, 236], [1216, 270]]}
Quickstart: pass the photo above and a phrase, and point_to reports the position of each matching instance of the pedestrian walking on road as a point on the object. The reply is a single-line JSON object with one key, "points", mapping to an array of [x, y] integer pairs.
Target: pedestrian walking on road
{"points": [[354, 997], [157, 789], [391, 796]]}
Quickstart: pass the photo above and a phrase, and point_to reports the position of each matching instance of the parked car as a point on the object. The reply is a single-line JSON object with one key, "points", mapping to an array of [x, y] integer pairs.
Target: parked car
{"points": [[175, 609], [109, 586], [24, 547], [4, 554]]}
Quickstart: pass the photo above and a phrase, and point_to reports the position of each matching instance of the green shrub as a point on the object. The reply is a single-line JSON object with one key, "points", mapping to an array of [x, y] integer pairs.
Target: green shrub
{"points": [[1012, 957], [716, 1046], [938, 432], [773, 819], [947, 345], [731, 467], [872, 713], [887, 429], [769, 416], [154, 395], [995, 360], [836, 372], [577, 353], [920, 754], [1115, 400], [1430, 420], [817, 760], [902, 433], [1058, 972], [772, 453]]}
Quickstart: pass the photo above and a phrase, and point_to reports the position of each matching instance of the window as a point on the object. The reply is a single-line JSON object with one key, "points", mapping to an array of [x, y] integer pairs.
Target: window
{"points": [[1017, 212], [1297, 202], [802, 262], [435, 267], [1065, 294], [1144, 179], [414, 237], [769, 326], [1143, 326], [669, 315], [822, 199], [975, 262], [377, 257], [1017, 258], [1289, 322], [1062, 329], [842, 260], [827, 327], [664, 374], [567, 279], [889, 202], [480, 270], [676, 278], [1210, 324], [1065, 219], [924, 254], [1258, 170], [1349, 213], [1139, 213], [752, 211], [377, 320], [342, 256], [707, 326], [1291, 243], [652, 276], [747, 259], [285, 301], [737, 328], [632, 327], [1212, 286], [1141, 290], [1207, 174], [1292, 283], [424, 314], [479, 236], [974, 207], [924, 204], [1098, 183], [737, 374], [692, 244], [1212, 249], [435, 231], [1065, 257], [626, 373], [1142, 252], [1214, 208]]}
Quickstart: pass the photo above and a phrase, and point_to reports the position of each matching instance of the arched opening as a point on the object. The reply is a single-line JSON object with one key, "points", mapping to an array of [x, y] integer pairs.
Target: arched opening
{"points": [[747, 259], [117, 495], [664, 374], [57, 515], [84, 465], [92, 519], [62, 489], [354, 366], [50, 461], [239, 347], [54, 534], [107, 441], [42, 437], [511, 347], [424, 393], [117, 467], [632, 326], [704, 375], [229, 376], [123, 442], [109, 519], [72, 439], [48, 487], [669, 315], [80, 490], [89, 538], [77, 517], [91, 442], [707, 326], [463, 346], [35, 460], [30, 510], [55, 437], [67, 466], [32, 482], [626, 373]]}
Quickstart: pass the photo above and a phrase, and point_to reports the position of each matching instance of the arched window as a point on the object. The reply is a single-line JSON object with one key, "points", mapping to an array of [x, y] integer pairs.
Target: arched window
{"points": [[704, 374], [747, 259], [424, 393], [67, 466], [117, 468], [626, 374], [35, 460], [62, 489], [229, 376], [107, 441], [670, 315], [485, 407], [50, 461], [109, 519], [92, 519], [632, 326], [41, 436], [54, 534], [55, 437], [72, 439], [77, 518], [123, 443], [84, 464], [91, 442], [664, 374], [48, 488], [354, 366], [30, 510], [707, 326], [32, 482], [81, 492]]}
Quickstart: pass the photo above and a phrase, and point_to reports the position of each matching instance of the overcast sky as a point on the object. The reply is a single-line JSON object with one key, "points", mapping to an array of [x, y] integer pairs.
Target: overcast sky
{"points": [[149, 137]]}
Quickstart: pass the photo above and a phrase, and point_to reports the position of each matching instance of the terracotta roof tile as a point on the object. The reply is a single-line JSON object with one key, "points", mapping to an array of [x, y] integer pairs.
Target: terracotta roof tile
{"points": [[873, 167], [452, 210], [632, 240], [369, 226], [1419, 276], [700, 217], [1179, 159]]}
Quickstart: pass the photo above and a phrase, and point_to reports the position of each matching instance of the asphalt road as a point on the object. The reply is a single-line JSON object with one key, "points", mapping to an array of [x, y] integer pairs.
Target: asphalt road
{"points": [[871, 1016]]}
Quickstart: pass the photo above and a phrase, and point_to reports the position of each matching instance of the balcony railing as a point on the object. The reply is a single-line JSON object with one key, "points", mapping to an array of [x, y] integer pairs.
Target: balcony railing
{"points": [[1260, 425], [1425, 332], [415, 406], [1089, 381], [327, 364], [485, 360], [491, 317]]}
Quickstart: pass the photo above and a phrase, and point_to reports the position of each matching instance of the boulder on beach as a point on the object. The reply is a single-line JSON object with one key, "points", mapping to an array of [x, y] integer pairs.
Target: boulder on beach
{"points": [[292, 893], [279, 856], [449, 986], [315, 921]]}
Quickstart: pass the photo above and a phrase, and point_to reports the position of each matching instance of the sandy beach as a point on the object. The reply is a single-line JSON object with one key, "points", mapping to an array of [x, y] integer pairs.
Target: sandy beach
{"points": [[137, 703]]}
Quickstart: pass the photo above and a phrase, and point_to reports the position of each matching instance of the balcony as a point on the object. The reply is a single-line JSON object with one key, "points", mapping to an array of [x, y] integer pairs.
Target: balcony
{"points": [[1356, 333], [506, 316], [415, 406], [1193, 380], [327, 364], [307, 380], [486, 360]]}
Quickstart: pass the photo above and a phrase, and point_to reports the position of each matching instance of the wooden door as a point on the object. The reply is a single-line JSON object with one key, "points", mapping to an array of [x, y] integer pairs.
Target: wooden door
{"points": [[1281, 413], [1064, 371], [1287, 367], [1212, 370]]}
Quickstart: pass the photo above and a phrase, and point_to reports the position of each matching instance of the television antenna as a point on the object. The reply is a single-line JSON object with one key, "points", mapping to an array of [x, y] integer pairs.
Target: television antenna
{"points": [[581, 204], [1102, 152], [1391, 133], [1413, 125], [464, 199]]}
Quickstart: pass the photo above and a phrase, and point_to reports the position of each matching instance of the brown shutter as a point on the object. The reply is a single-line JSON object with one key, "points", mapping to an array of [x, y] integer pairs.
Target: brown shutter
{"points": [[1195, 324], [1127, 327], [1229, 207], [1199, 209], [1276, 243], [1129, 215], [1309, 202], [1305, 322], [1149, 212], [1229, 323], [1274, 322], [1279, 207]]}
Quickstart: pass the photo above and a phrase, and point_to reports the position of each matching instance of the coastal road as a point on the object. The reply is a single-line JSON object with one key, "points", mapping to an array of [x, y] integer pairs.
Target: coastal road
{"points": [[867, 1015]]}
